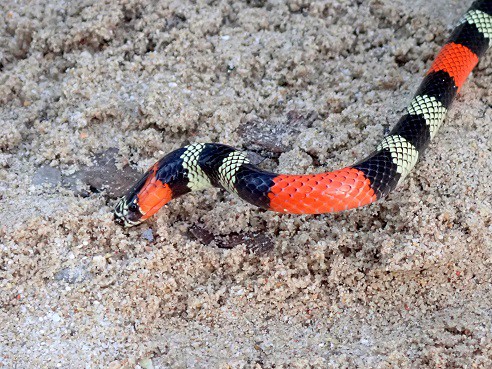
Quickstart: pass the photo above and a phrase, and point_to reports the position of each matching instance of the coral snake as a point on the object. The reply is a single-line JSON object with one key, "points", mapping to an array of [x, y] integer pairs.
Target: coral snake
{"points": [[201, 165]]}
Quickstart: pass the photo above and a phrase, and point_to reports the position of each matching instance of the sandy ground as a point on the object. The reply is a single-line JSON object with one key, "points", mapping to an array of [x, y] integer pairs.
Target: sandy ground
{"points": [[93, 92]]}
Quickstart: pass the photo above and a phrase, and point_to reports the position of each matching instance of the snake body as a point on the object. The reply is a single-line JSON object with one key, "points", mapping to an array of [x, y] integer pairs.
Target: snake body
{"points": [[202, 165]]}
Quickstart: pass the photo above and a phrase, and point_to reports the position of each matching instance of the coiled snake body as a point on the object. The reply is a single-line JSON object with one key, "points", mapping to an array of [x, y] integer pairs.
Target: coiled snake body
{"points": [[201, 165]]}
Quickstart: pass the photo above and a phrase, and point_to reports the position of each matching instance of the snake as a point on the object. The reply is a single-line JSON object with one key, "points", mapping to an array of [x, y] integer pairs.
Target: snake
{"points": [[201, 165]]}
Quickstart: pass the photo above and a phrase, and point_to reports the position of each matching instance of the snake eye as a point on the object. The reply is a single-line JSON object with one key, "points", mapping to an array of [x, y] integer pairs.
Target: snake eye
{"points": [[133, 207]]}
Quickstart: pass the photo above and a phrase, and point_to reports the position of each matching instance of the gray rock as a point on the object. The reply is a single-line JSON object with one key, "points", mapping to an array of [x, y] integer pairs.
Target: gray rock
{"points": [[103, 175], [72, 275], [46, 175], [257, 243], [148, 235], [275, 136]]}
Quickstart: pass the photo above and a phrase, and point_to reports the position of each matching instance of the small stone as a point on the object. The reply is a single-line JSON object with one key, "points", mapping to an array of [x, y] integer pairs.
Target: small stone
{"points": [[115, 365], [148, 235], [146, 363], [99, 261], [46, 175], [71, 275]]}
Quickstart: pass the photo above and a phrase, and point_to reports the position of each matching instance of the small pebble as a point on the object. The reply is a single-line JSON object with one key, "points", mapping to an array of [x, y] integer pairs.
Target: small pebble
{"points": [[99, 261], [148, 235], [46, 175], [146, 363]]}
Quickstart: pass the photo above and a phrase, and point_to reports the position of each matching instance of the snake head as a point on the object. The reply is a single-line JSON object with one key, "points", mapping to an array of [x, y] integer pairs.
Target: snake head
{"points": [[148, 195], [127, 213]]}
